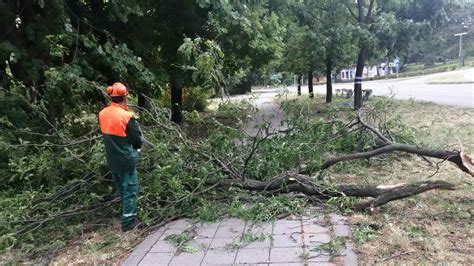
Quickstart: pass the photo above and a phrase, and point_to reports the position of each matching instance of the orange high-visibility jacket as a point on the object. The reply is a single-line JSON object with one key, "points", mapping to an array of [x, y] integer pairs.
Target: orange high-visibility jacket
{"points": [[122, 138]]}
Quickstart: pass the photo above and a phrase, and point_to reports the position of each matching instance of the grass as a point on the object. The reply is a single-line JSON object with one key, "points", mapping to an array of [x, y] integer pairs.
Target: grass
{"points": [[450, 78], [419, 67], [430, 228]]}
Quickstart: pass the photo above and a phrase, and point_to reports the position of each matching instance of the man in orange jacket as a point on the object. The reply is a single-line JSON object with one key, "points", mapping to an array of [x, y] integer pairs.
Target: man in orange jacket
{"points": [[122, 138]]}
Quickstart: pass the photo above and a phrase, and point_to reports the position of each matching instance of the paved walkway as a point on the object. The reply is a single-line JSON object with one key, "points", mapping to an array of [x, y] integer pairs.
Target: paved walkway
{"points": [[269, 112], [290, 241], [295, 240]]}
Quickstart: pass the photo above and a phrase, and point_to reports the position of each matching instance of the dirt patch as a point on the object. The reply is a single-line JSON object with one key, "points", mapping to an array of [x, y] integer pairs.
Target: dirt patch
{"points": [[105, 246]]}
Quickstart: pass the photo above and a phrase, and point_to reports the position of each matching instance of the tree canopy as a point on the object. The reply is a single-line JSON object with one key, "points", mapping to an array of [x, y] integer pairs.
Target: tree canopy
{"points": [[58, 56]]}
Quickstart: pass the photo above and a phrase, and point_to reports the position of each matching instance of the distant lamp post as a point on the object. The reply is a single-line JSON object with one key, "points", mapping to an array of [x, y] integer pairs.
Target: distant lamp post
{"points": [[461, 54]]}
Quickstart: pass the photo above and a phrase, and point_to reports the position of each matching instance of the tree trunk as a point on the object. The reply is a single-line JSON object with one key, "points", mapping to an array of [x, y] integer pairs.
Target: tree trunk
{"points": [[176, 102], [387, 70], [310, 84], [358, 78], [458, 158], [328, 81], [299, 83], [381, 194], [142, 100], [361, 19]]}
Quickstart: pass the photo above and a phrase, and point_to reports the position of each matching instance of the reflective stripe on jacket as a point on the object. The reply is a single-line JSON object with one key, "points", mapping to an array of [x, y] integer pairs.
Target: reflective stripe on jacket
{"points": [[122, 138]]}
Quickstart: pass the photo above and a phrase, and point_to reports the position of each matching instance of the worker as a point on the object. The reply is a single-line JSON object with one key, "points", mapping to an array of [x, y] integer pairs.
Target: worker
{"points": [[122, 138]]}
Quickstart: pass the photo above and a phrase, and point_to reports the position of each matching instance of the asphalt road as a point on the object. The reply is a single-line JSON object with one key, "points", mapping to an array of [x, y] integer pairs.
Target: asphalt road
{"points": [[407, 88]]}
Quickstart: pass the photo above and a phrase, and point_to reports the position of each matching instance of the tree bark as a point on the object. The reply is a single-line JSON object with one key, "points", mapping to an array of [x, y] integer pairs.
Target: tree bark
{"points": [[458, 158], [299, 83], [142, 100], [362, 21], [358, 78], [328, 81], [382, 194], [310, 84], [176, 102]]}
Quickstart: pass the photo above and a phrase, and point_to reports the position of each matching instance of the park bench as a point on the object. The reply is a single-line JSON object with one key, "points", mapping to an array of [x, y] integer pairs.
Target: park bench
{"points": [[348, 93]]}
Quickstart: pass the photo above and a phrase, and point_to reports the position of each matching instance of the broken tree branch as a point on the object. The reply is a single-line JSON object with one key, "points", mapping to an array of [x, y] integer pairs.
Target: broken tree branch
{"points": [[375, 131], [457, 157], [381, 194]]}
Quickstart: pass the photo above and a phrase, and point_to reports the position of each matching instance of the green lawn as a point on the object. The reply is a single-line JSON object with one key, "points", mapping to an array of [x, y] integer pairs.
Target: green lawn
{"points": [[450, 78]]}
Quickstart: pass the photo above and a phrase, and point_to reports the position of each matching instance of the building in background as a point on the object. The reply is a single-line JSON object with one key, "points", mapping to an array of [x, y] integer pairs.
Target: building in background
{"points": [[348, 74]]}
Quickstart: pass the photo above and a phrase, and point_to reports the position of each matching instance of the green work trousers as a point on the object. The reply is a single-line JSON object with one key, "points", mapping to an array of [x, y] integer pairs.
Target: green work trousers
{"points": [[127, 185]]}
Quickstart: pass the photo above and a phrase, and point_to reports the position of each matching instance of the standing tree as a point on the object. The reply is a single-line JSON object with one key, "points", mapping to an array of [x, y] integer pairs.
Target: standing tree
{"points": [[338, 40], [308, 17], [363, 17], [175, 20], [295, 49], [250, 35], [394, 36]]}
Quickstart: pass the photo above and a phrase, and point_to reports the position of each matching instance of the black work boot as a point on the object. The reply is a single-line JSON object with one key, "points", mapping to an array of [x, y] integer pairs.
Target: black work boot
{"points": [[134, 225]]}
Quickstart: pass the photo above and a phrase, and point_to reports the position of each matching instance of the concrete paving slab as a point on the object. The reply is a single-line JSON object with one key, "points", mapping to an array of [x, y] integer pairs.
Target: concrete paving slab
{"points": [[219, 257], [262, 228], [229, 231], [286, 227], [171, 232], [314, 228], [214, 224], [163, 246], [185, 258], [341, 230], [232, 221], [222, 243], [149, 241], [200, 244], [337, 219], [134, 259], [319, 219], [315, 240], [266, 243], [253, 256], [286, 255], [315, 257], [180, 224], [206, 232], [287, 264], [289, 219], [159, 259], [350, 257], [290, 240]]}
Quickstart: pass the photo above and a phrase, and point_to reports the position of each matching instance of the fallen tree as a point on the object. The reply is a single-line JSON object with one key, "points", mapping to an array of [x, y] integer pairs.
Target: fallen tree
{"points": [[381, 194], [459, 158], [181, 176]]}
